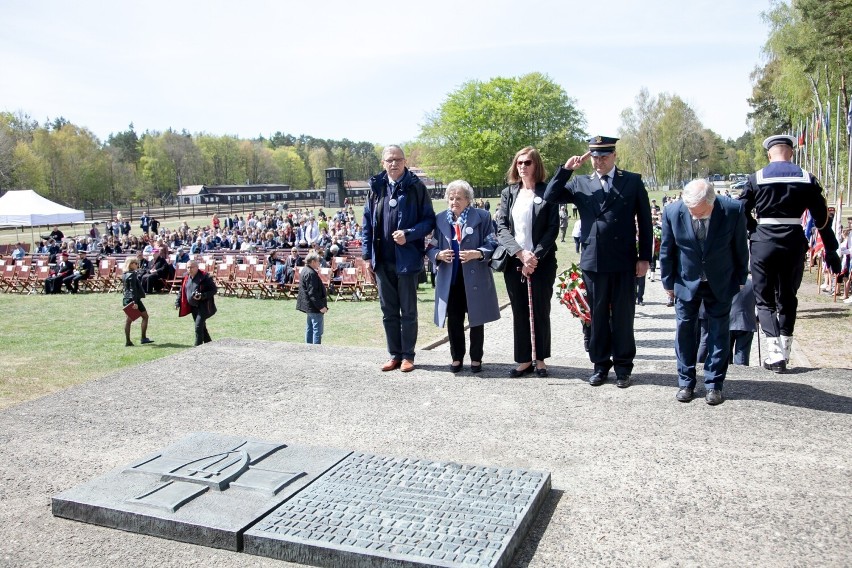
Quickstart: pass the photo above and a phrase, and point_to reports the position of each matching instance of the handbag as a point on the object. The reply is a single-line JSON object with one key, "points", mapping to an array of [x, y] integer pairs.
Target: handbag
{"points": [[132, 311], [499, 258]]}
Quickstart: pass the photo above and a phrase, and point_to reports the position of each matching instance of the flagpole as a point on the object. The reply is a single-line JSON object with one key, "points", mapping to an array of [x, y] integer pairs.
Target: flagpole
{"points": [[849, 167], [837, 150]]}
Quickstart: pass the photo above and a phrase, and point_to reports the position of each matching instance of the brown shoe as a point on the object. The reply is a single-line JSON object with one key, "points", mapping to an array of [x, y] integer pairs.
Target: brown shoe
{"points": [[391, 365], [407, 366]]}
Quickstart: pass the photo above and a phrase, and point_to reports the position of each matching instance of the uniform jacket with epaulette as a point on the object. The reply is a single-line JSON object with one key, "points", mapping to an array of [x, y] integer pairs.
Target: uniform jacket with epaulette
{"points": [[609, 224]]}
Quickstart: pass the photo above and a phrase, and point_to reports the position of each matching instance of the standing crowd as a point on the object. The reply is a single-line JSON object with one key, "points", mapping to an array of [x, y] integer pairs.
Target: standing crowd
{"points": [[704, 244]]}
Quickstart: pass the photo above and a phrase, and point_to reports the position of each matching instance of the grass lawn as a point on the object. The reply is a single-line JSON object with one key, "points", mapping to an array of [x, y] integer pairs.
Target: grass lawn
{"points": [[48, 343]]}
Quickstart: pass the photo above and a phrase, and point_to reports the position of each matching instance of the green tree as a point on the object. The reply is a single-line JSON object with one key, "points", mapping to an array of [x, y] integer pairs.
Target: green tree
{"points": [[640, 132], [126, 145], [291, 168], [479, 127], [257, 163], [15, 129], [76, 167], [221, 159]]}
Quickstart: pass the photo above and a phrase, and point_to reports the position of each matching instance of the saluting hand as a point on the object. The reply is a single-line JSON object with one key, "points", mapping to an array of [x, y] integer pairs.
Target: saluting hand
{"points": [[575, 162]]}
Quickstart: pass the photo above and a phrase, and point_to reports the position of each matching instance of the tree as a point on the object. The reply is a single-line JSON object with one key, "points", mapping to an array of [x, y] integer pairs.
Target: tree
{"points": [[221, 159], [640, 132], [291, 168], [257, 163], [127, 146], [76, 167], [809, 57], [479, 127], [15, 129]]}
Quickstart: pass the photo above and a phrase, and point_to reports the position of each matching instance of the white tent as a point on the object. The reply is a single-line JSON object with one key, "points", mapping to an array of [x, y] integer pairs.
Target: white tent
{"points": [[27, 208]]}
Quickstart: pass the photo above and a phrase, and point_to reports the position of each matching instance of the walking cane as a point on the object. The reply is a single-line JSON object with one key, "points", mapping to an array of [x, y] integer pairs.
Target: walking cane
{"points": [[532, 318]]}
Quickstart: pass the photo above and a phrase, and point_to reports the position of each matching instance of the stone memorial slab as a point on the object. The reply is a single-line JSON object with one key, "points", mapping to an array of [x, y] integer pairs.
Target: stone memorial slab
{"points": [[318, 506], [205, 489], [385, 511]]}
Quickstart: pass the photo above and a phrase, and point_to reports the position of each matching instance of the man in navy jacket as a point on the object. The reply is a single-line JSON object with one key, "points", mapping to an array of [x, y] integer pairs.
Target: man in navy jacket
{"points": [[613, 205], [398, 215], [703, 258]]}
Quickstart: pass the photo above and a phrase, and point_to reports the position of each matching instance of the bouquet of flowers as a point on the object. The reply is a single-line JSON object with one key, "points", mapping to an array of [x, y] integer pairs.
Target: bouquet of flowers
{"points": [[571, 291]]}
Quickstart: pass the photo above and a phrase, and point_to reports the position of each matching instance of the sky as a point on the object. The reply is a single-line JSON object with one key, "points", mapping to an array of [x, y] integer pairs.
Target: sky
{"points": [[364, 70]]}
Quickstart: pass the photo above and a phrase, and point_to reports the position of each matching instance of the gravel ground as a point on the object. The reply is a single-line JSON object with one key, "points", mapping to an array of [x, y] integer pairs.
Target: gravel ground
{"points": [[639, 479]]}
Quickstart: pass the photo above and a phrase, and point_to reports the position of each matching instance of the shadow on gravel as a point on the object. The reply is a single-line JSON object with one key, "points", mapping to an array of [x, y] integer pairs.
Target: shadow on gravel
{"points": [[658, 344], [526, 552], [501, 371], [642, 316], [824, 313], [774, 391]]}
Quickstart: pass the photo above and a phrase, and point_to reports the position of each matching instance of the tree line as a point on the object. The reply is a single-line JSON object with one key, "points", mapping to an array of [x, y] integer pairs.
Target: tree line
{"points": [[68, 163], [802, 86]]}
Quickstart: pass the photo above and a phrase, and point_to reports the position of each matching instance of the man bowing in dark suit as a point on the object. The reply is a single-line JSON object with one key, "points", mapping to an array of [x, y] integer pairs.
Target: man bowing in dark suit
{"points": [[703, 258], [612, 204]]}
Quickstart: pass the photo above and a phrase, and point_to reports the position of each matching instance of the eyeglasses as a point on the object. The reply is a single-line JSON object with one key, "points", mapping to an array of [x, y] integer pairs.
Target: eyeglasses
{"points": [[527, 163], [395, 160]]}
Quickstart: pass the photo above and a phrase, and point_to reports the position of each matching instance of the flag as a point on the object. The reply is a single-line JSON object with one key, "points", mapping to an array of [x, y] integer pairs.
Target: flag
{"points": [[817, 246], [827, 118], [807, 224], [804, 132], [849, 120]]}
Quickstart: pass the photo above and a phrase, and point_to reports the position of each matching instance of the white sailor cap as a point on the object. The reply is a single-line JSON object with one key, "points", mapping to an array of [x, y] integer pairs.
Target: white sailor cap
{"points": [[779, 139]]}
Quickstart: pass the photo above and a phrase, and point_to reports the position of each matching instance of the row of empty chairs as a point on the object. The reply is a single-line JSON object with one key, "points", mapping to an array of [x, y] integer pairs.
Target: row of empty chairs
{"points": [[346, 279]]}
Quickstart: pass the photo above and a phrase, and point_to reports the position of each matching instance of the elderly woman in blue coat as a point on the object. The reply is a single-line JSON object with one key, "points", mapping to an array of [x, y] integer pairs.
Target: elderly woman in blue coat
{"points": [[460, 249]]}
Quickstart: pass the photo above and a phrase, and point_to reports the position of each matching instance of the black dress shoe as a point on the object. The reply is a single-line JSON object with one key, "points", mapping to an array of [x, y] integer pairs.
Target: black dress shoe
{"points": [[779, 367], [514, 373], [455, 368], [713, 397], [541, 372], [622, 381], [598, 378], [475, 368], [685, 394]]}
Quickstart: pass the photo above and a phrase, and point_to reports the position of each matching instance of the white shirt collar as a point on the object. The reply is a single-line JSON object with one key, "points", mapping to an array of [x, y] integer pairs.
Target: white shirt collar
{"points": [[610, 173]]}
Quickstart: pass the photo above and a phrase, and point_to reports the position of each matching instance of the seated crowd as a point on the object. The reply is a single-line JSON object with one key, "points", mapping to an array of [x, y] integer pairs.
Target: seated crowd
{"points": [[278, 237]]}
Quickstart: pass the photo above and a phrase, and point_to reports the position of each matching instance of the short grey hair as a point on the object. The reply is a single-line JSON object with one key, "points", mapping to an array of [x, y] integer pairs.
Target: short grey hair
{"points": [[459, 185], [312, 256], [698, 190], [390, 147]]}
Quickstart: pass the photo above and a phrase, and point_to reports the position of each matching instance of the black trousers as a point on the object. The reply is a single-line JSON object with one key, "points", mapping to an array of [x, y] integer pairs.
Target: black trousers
{"points": [[201, 335], [611, 297], [456, 309], [776, 272], [542, 291]]}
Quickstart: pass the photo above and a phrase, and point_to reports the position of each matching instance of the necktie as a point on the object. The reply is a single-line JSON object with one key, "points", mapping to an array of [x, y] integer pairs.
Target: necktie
{"points": [[605, 184], [458, 233], [700, 229]]}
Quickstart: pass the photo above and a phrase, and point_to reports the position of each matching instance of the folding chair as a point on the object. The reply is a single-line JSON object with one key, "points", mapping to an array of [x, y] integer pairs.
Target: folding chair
{"points": [[224, 278], [348, 285], [41, 275]]}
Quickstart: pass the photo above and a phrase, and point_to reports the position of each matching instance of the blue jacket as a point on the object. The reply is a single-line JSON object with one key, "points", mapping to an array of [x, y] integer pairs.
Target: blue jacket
{"points": [[414, 215], [479, 288], [723, 258]]}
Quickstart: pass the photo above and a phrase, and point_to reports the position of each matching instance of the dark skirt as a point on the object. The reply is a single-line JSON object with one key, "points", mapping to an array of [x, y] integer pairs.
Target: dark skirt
{"points": [[139, 305]]}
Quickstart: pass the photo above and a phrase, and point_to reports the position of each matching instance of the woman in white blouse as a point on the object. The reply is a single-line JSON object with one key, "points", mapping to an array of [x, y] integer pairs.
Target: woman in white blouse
{"points": [[527, 227]]}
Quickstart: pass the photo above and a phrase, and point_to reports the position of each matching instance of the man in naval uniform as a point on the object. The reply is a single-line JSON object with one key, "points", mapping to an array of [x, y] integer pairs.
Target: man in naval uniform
{"points": [[775, 199], [612, 204]]}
